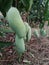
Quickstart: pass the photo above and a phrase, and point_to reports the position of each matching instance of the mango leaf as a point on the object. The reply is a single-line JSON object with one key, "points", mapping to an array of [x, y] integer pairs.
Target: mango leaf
{"points": [[27, 4], [5, 5], [46, 11], [30, 5], [5, 44]]}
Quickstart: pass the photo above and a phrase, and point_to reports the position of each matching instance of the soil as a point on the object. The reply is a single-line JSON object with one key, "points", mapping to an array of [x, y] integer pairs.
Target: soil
{"points": [[37, 53]]}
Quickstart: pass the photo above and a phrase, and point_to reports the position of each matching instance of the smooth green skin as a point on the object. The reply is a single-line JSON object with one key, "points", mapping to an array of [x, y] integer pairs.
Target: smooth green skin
{"points": [[19, 45], [15, 22], [26, 25], [28, 31]]}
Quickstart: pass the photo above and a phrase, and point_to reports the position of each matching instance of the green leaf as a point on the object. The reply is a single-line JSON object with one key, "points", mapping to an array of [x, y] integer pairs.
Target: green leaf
{"points": [[43, 32], [41, 25], [30, 5], [5, 5], [27, 4], [5, 44]]}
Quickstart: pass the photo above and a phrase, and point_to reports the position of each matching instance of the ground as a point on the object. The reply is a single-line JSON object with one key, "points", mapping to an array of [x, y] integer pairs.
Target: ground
{"points": [[36, 54]]}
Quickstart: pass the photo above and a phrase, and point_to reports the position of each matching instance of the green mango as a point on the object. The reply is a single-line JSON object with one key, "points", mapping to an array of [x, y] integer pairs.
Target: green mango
{"points": [[15, 22], [19, 45], [28, 31]]}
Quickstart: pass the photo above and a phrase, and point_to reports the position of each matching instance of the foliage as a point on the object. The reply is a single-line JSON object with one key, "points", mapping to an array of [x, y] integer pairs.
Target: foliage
{"points": [[24, 5], [5, 5], [6, 34], [43, 32], [39, 11]]}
